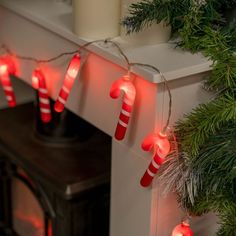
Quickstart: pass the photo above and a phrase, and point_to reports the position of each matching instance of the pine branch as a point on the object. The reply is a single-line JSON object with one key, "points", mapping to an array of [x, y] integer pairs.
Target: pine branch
{"points": [[223, 75], [206, 173], [218, 46], [224, 206], [174, 12], [226, 4], [177, 175], [231, 30], [146, 12], [204, 121], [228, 220], [217, 160]]}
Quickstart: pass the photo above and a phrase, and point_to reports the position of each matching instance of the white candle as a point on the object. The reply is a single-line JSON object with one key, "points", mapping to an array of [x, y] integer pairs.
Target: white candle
{"points": [[96, 19], [157, 33]]}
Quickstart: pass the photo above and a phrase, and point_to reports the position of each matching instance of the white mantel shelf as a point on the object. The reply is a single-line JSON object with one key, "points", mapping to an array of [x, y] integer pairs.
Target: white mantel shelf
{"points": [[57, 17]]}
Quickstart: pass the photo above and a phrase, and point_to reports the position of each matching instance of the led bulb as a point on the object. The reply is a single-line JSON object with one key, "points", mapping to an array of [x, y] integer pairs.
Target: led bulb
{"points": [[158, 141], [71, 74], [35, 82], [39, 82], [7, 63], [161, 147], [3, 69], [123, 84], [7, 68]]}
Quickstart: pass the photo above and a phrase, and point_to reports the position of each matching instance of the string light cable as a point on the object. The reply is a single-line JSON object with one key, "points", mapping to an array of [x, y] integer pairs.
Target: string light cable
{"points": [[164, 130], [85, 46]]}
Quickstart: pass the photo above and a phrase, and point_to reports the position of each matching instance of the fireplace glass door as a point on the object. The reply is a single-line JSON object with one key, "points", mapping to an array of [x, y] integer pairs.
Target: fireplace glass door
{"points": [[28, 216], [52, 189]]}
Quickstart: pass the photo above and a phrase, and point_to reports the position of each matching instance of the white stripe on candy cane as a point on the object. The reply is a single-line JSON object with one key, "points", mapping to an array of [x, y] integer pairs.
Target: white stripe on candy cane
{"points": [[61, 100], [155, 164], [126, 113], [45, 110], [44, 100], [123, 124], [9, 98], [150, 173], [8, 88], [128, 102], [42, 90], [66, 90]]}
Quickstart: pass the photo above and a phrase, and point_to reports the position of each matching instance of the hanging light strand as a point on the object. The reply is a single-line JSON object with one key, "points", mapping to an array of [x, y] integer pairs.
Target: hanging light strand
{"points": [[167, 87], [122, 54]]}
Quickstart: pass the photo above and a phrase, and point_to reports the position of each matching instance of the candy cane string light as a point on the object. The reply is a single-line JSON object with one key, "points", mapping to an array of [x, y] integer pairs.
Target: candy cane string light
{"points": [[161, 147], [123, 84], [39, 83], [73, 70], [7, 68], [71, 74], [158, 142]]}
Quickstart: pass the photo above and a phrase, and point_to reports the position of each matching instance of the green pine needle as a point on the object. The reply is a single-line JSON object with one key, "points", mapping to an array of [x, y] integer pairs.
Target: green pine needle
{"points": [[145, 13], [204, 121]]}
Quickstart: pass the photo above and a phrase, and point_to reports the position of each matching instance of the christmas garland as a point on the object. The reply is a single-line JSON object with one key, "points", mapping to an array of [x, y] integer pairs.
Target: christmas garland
{"points": [[204, 174]]}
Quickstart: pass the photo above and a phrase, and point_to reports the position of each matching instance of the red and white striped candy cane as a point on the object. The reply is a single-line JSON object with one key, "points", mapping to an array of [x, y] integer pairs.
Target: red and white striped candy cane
{"points": [[71, 74], [123, 84], [39, 82], [7, 68], [161, 146]]}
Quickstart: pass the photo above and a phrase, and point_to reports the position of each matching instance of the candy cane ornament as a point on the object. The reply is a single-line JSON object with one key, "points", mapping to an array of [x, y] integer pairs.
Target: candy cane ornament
{"points": [[39, 83], [161, 146], [123, 84], [71, 74], [7, 68]]}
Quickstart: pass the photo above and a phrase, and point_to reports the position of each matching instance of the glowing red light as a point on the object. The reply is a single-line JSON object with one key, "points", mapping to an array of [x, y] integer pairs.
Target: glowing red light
{"points": [[71, 74], [35, 82], [49, 228], [39, 82], [8, 62], [161, 146], [3, 69], [37, 223], [182, 229], [7, 68], [125, 85]]}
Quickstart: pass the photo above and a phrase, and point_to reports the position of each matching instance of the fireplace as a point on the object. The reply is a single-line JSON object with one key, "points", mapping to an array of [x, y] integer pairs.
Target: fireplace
{"points": [[52, 188]]}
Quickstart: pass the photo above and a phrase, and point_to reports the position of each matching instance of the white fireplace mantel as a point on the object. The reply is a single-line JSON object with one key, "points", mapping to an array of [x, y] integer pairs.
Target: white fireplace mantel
{"points": [[57, 18], [42, 28]]}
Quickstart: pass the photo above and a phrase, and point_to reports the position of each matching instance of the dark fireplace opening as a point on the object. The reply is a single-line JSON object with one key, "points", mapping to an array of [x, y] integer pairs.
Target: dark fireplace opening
{"points": [[55, 177]]}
